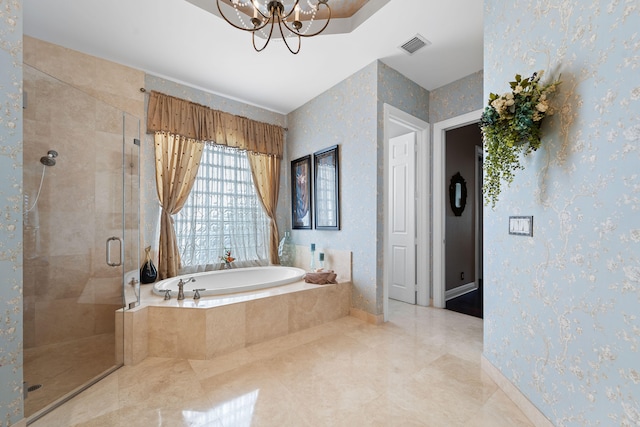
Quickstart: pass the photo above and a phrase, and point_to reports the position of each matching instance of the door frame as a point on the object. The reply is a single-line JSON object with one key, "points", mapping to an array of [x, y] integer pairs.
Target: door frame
{"points": [[397, 117], [439, 199], [478, 214]]}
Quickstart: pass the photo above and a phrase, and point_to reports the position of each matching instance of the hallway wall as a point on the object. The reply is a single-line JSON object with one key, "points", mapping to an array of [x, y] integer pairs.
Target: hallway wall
{"points": [[561, 307]]}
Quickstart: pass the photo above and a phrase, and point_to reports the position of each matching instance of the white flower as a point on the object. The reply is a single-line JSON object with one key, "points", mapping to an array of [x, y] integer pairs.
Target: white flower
{"points": [[518, 89], [632, 273], [542, 107], [633, 133]]}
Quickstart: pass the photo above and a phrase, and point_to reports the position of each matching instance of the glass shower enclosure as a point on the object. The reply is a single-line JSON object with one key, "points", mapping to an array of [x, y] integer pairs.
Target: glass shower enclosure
{"points": [[81, 236]]}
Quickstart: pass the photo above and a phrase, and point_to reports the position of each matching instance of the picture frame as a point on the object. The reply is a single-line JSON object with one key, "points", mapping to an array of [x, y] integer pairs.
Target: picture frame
{"points": [[301, 206], [326, 188]]}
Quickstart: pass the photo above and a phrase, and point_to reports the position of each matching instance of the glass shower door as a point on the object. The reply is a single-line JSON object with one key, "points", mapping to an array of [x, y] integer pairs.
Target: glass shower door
{"points": [[81, 227]]}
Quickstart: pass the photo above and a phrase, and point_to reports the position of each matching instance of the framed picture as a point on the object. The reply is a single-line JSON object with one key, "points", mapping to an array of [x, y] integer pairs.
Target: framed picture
{"points": [[326, 188], [301, 193]]}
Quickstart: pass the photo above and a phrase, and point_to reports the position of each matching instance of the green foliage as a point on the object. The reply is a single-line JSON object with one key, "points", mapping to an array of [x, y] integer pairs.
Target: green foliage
{"points": [[510, 128]]}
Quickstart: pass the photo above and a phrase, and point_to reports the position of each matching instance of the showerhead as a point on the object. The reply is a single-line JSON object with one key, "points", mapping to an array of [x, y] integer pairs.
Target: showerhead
{"points": [[50, 158]]}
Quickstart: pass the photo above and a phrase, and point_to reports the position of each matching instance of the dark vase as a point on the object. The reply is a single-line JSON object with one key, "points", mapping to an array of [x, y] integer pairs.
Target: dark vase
{"points": [[148, 271]]}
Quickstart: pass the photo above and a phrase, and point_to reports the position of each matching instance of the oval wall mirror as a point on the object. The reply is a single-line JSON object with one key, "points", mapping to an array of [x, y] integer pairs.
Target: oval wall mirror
{"points": [[457, 194]]}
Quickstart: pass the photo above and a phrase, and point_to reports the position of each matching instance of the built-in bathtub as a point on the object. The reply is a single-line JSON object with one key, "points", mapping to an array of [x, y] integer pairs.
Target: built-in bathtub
{"points": [[223, 282], [218, 324]]}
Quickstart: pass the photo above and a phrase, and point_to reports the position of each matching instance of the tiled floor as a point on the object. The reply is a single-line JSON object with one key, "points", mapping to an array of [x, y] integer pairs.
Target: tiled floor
{"points": [[420, 369], [60, 368]]}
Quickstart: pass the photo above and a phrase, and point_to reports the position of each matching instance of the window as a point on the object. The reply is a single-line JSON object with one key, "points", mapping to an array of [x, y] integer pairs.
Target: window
{"points": [[222, 212]]}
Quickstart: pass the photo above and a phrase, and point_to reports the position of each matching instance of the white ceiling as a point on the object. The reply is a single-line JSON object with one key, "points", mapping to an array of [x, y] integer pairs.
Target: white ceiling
{"points": [[180, 41]]}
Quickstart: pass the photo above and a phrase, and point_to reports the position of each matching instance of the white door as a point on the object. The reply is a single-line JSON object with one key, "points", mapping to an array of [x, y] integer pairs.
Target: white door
{"points": [[402, 171]]}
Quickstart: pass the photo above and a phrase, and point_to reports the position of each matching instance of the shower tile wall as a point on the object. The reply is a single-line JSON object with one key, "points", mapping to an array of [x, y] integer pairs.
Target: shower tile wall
{"points": [[84, 124]]}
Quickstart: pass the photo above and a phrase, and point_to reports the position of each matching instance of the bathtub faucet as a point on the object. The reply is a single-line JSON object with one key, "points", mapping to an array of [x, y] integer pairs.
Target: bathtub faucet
{"points": [[181, 284]]}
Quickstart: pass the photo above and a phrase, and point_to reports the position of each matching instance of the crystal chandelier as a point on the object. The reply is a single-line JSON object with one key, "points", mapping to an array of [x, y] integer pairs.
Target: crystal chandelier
{"points": [[287, 16]]}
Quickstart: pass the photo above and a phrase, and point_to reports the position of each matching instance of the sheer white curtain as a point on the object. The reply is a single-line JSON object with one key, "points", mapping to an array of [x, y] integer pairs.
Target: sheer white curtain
{"points": [[222, 213]]}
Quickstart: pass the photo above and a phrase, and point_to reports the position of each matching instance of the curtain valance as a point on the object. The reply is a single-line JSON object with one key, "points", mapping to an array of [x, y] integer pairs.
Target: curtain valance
{"points": [[180, 117]]}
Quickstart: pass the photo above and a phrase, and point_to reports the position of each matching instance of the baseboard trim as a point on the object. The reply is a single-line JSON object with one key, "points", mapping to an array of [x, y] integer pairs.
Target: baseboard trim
{"points": [[529, 409], [374, 319], [460, 290]]}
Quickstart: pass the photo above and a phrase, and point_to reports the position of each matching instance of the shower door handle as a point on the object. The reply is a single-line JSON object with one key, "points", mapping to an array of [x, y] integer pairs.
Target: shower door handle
{"points": [[109, 262]]}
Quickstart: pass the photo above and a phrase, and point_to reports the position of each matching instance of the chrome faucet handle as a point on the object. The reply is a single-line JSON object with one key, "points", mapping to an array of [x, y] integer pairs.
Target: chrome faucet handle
{"points": [[196, 293], [167, 293]]}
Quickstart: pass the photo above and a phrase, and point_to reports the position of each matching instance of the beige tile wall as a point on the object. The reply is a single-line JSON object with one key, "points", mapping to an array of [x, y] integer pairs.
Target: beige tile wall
{"points": [[74, 105]]}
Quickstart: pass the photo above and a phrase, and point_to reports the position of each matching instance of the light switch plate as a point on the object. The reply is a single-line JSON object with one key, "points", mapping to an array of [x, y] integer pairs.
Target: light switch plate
{"points": [[521, 225]]}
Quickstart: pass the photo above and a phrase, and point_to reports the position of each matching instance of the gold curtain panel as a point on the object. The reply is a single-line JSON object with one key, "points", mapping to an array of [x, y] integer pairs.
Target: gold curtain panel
{"points": [[180, 117]]}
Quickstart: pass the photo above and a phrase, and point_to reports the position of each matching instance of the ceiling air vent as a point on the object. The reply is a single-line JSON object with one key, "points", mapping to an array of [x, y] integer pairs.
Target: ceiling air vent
{"points": [[415, 44]]}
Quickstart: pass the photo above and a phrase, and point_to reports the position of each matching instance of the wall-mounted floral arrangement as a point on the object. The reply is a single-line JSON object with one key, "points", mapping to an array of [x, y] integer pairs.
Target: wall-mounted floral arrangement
{"points": [[510, 127]]}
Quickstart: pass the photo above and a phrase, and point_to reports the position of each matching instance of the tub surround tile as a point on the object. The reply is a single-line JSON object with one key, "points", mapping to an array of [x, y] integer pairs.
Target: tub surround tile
{"points": [[135, 328], [216, 325], [312, 308], [225, 329], [305, 310], [140, 337], [191, 332], [177, 333], [213, 326], [267, 318], [338, 261]]}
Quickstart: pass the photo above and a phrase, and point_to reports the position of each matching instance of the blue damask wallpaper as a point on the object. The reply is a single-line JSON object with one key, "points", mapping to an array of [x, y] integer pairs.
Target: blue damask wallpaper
{"points": [[344, 115], [562, 308], [11, 212], [398, 91], [350, 114], [457, 98]]}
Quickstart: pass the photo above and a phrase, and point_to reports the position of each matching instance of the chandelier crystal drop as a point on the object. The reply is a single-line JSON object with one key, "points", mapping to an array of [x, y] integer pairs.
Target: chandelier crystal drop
{"points": [[292, 18]]}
